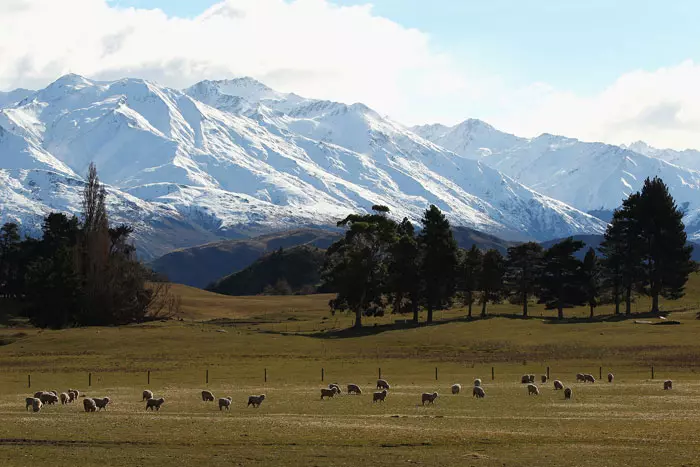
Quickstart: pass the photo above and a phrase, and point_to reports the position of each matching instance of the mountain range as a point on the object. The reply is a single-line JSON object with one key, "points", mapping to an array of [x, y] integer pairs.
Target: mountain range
{"points": [[234, 158]]}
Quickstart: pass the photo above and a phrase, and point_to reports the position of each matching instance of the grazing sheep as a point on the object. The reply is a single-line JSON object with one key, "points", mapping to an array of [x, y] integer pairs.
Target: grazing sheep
{"points": [[64, 398], [354, 389], [532, 389], [328, 392], [379, 396], [557, 385], [225, 403], [567, 393], [255, 401], [478, 392], [38, 394], [36, 404], [102, 403], [147, 395], [207, 396], [89, 405], [154, 403], [335, 385], [532, 378], [668, 384], [77, 393], [611, 377], [427, 397], [382, 384], [456, 388], [580, 377], [29, 401], [48, 398], [589, 378], [477, 382], [525, 379], [72, 395], [543, 378]]}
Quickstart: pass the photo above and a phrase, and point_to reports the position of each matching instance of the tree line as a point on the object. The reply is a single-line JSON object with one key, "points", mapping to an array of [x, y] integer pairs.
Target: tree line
{"points": [[80, 272], [381, 264]]}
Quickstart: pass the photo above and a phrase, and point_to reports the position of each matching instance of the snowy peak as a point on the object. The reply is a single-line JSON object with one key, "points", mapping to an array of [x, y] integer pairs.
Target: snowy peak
{"points": [[246, 88], [8, 99]]}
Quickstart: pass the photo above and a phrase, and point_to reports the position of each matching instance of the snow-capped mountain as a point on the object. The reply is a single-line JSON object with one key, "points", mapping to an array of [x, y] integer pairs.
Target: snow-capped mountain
{"points": [[10, 98], [229, 158], [689, 158]]}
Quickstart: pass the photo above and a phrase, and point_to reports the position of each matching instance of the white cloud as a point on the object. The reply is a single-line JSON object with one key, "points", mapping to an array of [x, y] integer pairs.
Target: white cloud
{"points": [[319, 49]]}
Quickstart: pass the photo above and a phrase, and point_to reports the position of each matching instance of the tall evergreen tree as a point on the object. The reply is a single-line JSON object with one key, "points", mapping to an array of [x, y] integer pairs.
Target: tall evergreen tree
{"points": [[560, 281], [590, 270], [523, 267], [438, 261], [493, 268], [667, 255], [470, 271], [9, 245], [356, 265], [404, 275]]}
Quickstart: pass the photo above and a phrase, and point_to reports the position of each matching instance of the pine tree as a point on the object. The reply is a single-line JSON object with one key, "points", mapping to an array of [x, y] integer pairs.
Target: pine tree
{"points": [[491, 281], [560, 281], [438, 261], [470, 271], [9, 245], [590, 270], [523, 267], [667, 256], [404, 274]]}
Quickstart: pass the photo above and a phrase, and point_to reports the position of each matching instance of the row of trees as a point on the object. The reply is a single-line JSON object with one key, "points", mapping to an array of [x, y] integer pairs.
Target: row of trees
{"points": [[382, 264], [81, 272]]}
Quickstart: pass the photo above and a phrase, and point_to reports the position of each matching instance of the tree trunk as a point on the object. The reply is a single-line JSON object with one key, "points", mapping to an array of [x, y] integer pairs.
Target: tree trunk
{"points": [[470, 298], [655, 302], [628, 300], [560, 310], [483, 307], [430, 314], [415, 312], [525, 305], [358, 318], [591, 311], [617, 300]]}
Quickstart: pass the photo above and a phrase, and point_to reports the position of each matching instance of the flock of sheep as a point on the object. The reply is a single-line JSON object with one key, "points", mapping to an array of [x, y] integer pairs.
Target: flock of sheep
{"points": [[42, 398]]}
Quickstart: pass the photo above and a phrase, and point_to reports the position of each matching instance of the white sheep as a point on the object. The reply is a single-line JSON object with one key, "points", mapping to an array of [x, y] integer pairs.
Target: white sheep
{"points": [[36, 404], [29, 401], [383, 384], [325, 392], [567, 393], [207, 396], [225, 403], [154, 403], [557, 385], [354, 389], [48, 398], [589, 378], [255, 401], [102, 403], [64, 398], [611, 377], [77, 393], [456, 388], [543, 378], [478, 392], [89, 405], [37, 395], [668, 384], [147, 395], [72, 395], [335, 385], [532, 389], [428, 397], [477, 382], [580, 377], [379, 396]]}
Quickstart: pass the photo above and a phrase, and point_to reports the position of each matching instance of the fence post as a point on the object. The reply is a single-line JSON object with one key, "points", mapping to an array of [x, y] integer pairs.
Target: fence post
{"points": [[322, 374], [149, 377], [547, 373], [380, 373], [652, 372], [493, 374], [436, 374], [207, 376], [266, 375], [89, 379], [29, 381], [600, 372]]}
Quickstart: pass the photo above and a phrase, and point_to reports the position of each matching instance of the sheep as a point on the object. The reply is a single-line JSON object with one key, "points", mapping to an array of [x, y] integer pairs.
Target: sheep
{"points": [[611, 377], [557, 385], [255, 401], [64, 398], [225, 403], [567, 393], [589, 378], [532, 378], [207, 396], [48, 398], [525, 379], [77, 393], [29, 401], [379, 396], [36, 405], [354, 389], [580, 377], [38, 394], [456, 388], [543, 378], [102, 403], [668, 384], [427, 397], [478, 392], [72, 395], [477, 382], [337, 388], [325, 392], [147, 395], [382, 384], [532, 389], [89, 405], [154, 403]]}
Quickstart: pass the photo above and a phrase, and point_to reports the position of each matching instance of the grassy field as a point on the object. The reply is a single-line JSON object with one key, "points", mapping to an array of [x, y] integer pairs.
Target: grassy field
{"points": [[290, 339]]}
